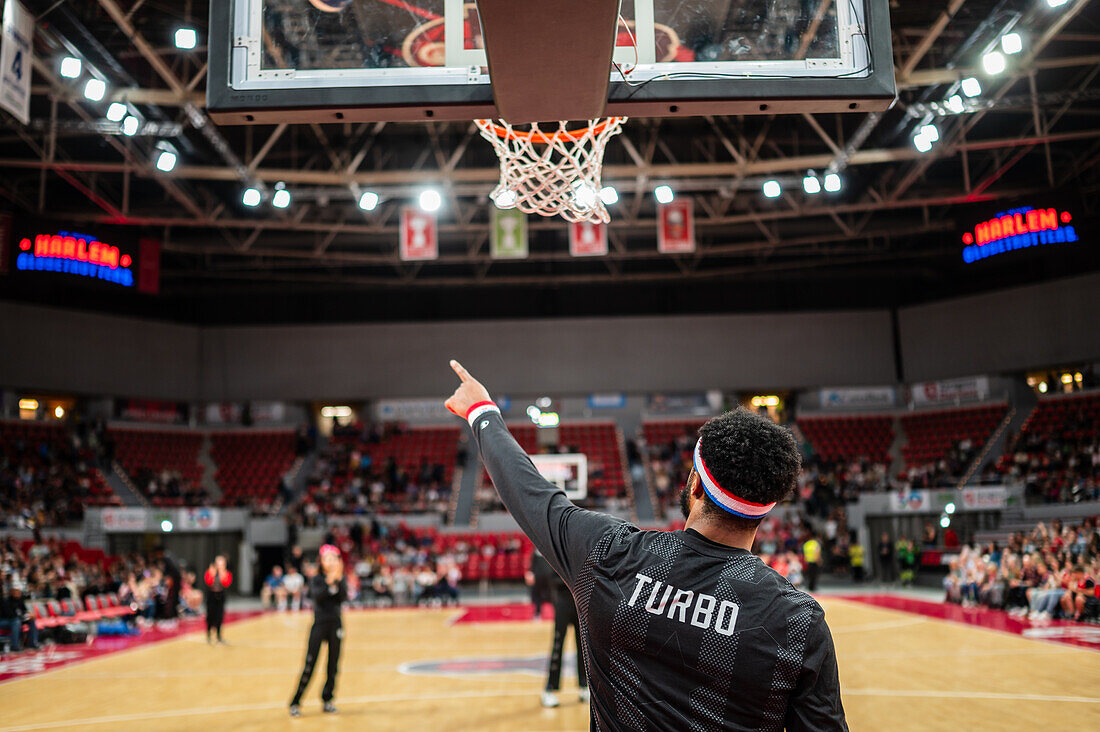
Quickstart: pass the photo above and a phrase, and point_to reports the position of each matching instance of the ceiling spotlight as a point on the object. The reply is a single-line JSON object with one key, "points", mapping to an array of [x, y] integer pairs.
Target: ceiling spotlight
{"points": [[1012, 43], [585, 195], [609, 195], [116, 112], [70, 67], [1056, 3], [931, 132], [186, 38], [922, 143], [251, 197], [811, 184], [166, 161], [368, 201], [971, 87], [94, 90], [663, 194], [281, 199], [954, 104], [994, 62], [130, 126], [430, 200], [832, 183], [772, 189]]}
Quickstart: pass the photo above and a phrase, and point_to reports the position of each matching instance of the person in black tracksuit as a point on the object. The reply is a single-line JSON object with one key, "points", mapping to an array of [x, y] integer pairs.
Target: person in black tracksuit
{"points": [[565, 614], [328, 589], [541, 578], [680, 630]]}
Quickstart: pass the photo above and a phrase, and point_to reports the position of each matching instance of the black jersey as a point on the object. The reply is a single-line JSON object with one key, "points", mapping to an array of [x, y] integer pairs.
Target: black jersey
{"points": [[679, 632], [327, 599]]}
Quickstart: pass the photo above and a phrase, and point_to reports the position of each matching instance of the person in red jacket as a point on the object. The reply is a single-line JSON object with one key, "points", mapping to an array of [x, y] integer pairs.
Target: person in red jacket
{"points": [[218, 579]]}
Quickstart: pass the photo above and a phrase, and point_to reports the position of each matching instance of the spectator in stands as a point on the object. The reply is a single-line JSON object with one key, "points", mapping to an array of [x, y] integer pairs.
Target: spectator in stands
{"points": [[907, 560], [293, 584], [13, 615], [272, 593], [886, 570], [811, 552]]}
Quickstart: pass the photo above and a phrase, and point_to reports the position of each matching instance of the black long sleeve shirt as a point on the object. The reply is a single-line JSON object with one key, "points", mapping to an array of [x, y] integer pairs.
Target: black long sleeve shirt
{"points": [[679, 632], [327, 599]]}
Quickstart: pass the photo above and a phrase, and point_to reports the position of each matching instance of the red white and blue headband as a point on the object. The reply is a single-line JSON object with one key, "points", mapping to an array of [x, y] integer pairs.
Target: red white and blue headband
{"points": [[724, 498]]}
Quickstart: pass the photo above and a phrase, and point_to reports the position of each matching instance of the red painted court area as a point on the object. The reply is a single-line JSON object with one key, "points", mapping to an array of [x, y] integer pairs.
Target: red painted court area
{"points": [[13, 666], [1084, 635]]}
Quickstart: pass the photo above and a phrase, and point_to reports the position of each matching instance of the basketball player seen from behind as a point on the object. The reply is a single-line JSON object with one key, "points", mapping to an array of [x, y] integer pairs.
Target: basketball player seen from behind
{"points": [[682, 630]]}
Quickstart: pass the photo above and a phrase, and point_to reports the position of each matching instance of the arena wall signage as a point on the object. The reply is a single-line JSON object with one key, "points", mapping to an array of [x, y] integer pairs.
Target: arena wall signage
{"points": [[1018, 228], [857, 398], [950, 391]]}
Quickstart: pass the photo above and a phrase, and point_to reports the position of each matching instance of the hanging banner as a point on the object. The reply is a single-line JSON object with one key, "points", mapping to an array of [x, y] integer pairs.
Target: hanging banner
{"points": [[676, 227], [951, 391], [587, 239], [148, 279], [419, 236], [15, 61], [508, 237]]}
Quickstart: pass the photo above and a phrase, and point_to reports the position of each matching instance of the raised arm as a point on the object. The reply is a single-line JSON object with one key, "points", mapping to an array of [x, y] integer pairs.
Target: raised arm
{"points": [[563, 532]]}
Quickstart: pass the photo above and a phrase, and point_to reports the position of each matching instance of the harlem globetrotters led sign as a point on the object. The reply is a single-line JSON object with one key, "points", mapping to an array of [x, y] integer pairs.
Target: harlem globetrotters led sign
{"points": [[113, 257], [1018, 228]]}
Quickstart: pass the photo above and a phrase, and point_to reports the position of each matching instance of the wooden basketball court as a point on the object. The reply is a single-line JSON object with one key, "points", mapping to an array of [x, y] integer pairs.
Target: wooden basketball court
{"points": [[899, 671]]}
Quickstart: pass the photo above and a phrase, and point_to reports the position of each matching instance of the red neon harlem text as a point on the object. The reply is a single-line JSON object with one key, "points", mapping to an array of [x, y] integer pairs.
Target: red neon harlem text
{"points": [[1019, 223]]}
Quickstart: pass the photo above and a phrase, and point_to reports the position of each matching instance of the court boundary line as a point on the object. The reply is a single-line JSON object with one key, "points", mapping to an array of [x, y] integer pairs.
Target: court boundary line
{"points": [[393, 698], [113, 654], [856, 602]]}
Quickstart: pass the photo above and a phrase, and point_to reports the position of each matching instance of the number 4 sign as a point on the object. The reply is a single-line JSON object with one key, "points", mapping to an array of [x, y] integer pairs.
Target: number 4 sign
{"points": [[15, 61], [419, 236]]}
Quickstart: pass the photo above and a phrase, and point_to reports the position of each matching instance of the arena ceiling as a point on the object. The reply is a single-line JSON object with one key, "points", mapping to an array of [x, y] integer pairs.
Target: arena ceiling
{"points": [[890, 237]]}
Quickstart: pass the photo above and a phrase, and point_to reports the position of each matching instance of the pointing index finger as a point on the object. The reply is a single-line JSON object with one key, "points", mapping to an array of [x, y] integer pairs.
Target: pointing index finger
{"points": [[463, 374]]}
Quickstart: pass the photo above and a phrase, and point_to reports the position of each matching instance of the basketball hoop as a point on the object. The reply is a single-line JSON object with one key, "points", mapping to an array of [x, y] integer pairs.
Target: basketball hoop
{"points": [[551, 172]]}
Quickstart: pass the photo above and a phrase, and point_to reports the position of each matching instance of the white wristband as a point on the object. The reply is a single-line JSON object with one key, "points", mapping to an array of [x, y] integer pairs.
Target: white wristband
{"points": [[480, 410]]}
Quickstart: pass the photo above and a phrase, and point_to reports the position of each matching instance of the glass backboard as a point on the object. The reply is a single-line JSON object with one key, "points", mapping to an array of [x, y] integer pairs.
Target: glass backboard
{"points": [[331, 60]]}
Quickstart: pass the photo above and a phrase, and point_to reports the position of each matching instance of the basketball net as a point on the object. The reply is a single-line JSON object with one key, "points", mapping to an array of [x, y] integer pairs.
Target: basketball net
{"points": [[552, 171]]}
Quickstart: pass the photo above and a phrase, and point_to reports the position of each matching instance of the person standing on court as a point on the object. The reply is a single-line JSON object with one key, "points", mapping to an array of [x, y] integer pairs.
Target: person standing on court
{"points": [[686, 629], [539, 578], [328, 590], [565, 614], [811, 552], [218, 579]]}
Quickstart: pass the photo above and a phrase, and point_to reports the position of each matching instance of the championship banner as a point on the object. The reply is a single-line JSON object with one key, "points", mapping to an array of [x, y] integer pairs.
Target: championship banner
{"points": [[950, 391], [676, 227], [587, 239], [419, 235], [15, 61], [508, 236]]}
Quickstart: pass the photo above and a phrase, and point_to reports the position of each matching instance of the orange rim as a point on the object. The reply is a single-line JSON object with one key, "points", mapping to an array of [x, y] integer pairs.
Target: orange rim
{"points": [[545, 139]]}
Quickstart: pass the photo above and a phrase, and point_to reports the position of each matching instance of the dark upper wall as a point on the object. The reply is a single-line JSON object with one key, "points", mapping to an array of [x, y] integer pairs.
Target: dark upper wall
{"points": [[73, 351], [1035, 326], [562, 356]]}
